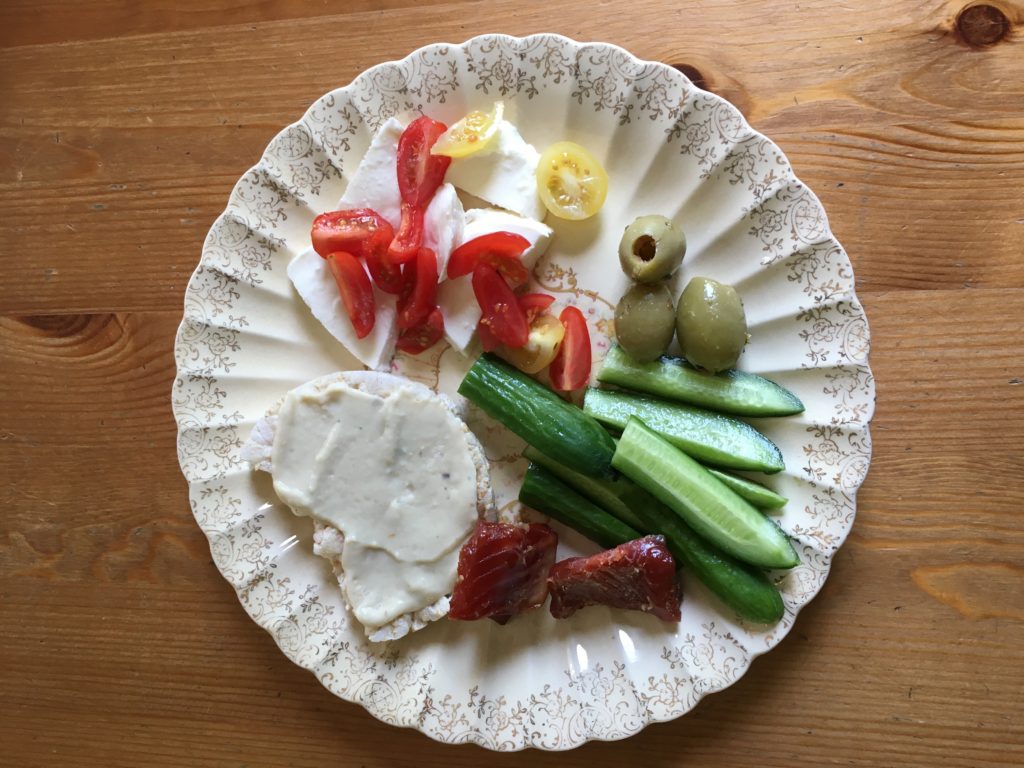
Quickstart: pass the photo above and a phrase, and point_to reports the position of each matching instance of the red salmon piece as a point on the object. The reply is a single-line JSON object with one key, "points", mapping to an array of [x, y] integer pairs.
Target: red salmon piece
{"points": [[639, 575], [503, 570]]}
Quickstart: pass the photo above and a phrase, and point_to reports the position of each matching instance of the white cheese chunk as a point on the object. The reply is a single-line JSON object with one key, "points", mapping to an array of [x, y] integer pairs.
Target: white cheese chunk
{"points": [[482, 221], [460, 311], [455, 297], [375, 183], [314, 282], [443, 224], [503, 174], [396, 475]]}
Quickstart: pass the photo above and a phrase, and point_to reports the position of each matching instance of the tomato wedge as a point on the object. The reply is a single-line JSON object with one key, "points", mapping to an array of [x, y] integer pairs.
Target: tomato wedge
{"points": [[470, 134], [419, 292], [534, 304], [546, 335], [571, 367], [355, 289], [498, 306], [419, 175], [423, 336], [359, 231], [386, 276], [502, 250], [409, 237], [488, 341]]}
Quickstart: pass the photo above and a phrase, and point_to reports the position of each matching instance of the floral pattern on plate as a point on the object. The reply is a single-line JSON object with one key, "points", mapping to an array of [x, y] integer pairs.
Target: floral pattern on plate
{"points": [[245, 339]]}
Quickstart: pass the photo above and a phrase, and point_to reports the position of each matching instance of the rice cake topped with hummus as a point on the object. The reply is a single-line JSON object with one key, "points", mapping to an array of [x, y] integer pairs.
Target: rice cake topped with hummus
{"points": [[394, 481]]}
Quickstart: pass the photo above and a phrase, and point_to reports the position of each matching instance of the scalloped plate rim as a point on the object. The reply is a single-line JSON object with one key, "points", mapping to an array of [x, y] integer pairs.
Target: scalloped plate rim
{"points": [[473, 736]]}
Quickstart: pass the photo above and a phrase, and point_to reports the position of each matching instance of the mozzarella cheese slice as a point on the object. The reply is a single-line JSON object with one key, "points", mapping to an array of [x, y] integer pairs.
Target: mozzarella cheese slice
{"points": [[455, 297], [314, 282], [503, 173], [375, 183], [443, 224]]}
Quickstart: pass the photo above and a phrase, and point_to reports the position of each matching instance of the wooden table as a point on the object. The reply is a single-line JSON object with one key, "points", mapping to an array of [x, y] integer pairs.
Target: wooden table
{"points": [[123, 126]]}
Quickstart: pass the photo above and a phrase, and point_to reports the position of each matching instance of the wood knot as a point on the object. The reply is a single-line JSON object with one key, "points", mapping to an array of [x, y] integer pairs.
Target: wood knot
{"points": [[72, 334], [57, 326], [982, 25], [695, 75]]}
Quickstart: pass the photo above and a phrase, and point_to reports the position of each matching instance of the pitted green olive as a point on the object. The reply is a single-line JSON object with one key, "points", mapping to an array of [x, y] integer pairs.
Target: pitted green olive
{"points": [[651, 248], [645, 321], [711, 324]]}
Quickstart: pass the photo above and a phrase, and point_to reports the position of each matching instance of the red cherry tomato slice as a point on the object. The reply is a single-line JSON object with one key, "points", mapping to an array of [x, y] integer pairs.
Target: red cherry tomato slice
{"points": [[423, 336], [359, 231], [355, 289], [488, 341], [419, 172], [502, 250], [419, 294], [419, 175], [571, 367], [498, 307], [409, 238], [534, 304], [386, 276]]}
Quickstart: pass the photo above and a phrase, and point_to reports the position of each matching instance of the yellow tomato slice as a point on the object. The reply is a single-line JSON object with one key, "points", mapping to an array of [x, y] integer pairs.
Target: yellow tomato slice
{"points": [[546, 334], [470, 134], [571, 182]]}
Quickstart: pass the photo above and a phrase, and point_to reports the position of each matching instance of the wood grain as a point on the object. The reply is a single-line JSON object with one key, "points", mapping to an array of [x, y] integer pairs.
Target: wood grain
{"points": [[123, 127], [20, 22]]}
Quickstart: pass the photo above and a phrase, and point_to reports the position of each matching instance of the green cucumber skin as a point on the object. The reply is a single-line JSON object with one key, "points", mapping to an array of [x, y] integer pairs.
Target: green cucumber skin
{"points": [[703, 502], [745, 590], [605, 493], [755, 493], [706, 436], [737, 392], [539, 416], [611, 494], [543, 491]]}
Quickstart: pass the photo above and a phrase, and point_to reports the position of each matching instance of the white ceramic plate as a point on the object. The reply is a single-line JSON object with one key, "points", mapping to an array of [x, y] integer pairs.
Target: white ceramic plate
{"points": [[669, 148]]}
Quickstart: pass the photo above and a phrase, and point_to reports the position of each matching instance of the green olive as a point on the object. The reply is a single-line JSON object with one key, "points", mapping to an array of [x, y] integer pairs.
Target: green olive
{"points": [[711, 324], [645, 321], [651, 248]]}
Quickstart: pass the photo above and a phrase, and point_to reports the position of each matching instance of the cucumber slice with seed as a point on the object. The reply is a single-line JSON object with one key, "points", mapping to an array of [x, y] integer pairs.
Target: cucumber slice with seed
{"points": [[702, 501], [706, 436], [738, 392], [758, 495]]}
